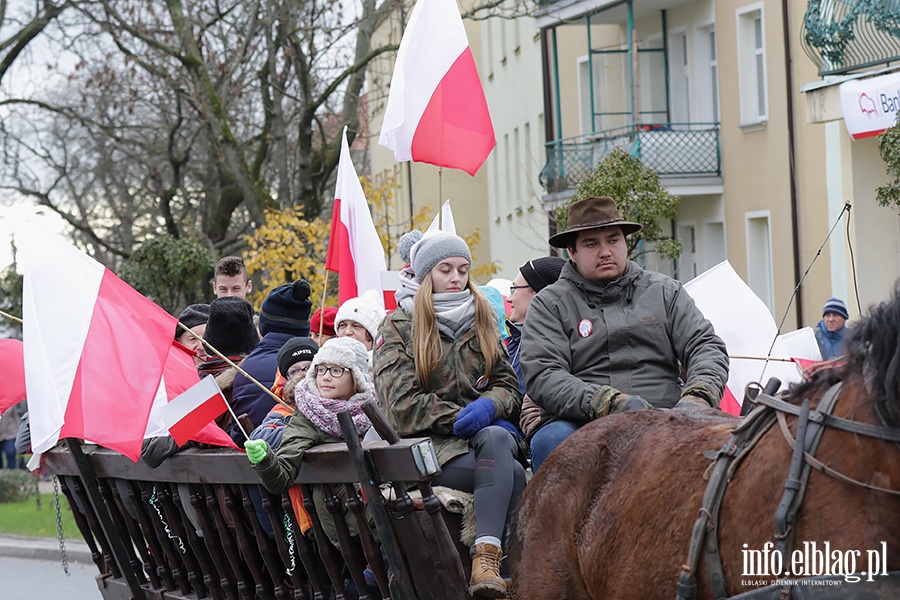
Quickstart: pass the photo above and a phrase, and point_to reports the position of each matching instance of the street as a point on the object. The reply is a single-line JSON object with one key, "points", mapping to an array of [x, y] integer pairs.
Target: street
{"points": [[37, 579]]}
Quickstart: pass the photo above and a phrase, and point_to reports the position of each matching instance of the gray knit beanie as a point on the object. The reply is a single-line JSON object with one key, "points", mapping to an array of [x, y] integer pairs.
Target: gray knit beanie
{"points": [[434, 247], [407, 241]]}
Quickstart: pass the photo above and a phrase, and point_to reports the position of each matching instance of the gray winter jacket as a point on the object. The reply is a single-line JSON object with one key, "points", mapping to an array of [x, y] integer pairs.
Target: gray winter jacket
{"points": [[634, 333]]}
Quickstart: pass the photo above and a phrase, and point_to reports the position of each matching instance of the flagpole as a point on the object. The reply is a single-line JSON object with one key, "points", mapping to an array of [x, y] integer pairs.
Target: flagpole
{"points": [[9, 316], [735, 356], [322, 314], [440, 194], [239, 370]]}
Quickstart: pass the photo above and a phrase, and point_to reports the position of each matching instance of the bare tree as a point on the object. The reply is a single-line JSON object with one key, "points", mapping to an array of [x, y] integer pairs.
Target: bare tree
{"points": [[188, 117]]}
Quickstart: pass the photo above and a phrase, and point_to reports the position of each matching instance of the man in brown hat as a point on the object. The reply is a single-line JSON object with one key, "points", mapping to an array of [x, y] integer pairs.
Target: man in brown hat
{"points": [[610, 336]]}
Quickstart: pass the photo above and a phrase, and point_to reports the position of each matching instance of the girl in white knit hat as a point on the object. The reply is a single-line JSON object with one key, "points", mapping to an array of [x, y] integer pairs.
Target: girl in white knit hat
{"points": [[441, 372], [337, 380]]}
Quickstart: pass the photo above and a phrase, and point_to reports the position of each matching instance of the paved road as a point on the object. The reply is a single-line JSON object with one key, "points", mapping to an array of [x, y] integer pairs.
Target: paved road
{"points": [[38, 579]]}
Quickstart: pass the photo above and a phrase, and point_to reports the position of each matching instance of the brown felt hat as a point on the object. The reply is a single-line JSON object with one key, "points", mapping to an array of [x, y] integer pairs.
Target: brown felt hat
{"points": [[592, 213]]}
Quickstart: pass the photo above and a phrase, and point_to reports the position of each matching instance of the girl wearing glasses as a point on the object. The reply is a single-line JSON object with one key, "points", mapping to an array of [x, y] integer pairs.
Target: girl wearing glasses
{"points": [[337, 380], [441, 371]]}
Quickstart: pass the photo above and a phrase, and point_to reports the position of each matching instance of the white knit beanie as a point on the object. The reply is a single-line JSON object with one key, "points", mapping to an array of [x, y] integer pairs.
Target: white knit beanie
{"points": [[434, 247], [367, 310], [343, 352]]}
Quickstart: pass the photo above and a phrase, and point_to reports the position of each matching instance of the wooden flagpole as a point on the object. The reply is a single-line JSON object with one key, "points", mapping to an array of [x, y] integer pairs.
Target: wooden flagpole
{"points": [[322, 315], [11, 317], [440, 195]]}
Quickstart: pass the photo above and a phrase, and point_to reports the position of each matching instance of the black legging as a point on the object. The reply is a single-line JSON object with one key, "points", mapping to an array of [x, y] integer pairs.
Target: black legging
{"points": [[490, 469]]}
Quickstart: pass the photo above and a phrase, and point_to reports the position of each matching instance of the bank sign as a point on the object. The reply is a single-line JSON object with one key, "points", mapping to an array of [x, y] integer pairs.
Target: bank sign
{"points": [[870, 105]]}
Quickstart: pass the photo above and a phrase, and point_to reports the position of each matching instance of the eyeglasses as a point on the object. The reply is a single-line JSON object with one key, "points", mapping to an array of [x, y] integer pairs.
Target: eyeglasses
{"points": [[336, 372], [513, 288], [296, 368]]}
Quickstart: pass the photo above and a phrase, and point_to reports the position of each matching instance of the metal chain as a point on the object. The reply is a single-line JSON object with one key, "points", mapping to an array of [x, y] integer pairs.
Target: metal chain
{"points": [[289, 538], [64, 558], [152, 502]]}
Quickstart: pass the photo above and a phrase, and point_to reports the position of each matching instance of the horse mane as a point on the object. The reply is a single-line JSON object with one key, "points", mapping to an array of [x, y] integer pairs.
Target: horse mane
{"points": [[870, 356]]}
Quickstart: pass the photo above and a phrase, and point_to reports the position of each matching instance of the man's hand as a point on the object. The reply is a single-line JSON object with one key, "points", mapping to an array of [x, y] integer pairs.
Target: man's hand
{"points": [[692, 402], [608, 400], [256, 450]]}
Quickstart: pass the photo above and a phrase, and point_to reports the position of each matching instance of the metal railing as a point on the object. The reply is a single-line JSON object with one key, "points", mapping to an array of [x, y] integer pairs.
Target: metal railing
{"points": [[670, 149], [841, 37]]}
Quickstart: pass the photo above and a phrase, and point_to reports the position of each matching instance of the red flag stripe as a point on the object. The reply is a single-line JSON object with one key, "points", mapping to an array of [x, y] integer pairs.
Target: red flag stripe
{"points": [[198, 418]]}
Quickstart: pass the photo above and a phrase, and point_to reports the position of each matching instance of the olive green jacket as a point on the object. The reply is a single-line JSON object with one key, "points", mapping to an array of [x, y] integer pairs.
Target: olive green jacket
{"points": [[416, 412]]}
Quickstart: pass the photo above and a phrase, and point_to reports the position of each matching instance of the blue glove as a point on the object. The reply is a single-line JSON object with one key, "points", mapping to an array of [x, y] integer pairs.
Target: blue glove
{"points": [[473, 417], [507, 426]]}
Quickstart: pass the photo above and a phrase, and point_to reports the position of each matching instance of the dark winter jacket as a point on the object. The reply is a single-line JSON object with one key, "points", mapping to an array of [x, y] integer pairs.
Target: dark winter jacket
{"points": [[262, 365], [416, 412], [634, 333]]}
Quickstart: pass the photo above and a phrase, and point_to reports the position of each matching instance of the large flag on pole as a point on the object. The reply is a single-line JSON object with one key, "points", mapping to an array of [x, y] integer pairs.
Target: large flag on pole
{"points": [[437, 112], [354, 248], [744, 323], [94, 349], [12, 373]]}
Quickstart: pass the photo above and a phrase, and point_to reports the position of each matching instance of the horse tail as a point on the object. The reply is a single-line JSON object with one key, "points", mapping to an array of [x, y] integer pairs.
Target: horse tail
{"points": [[552, 509]]}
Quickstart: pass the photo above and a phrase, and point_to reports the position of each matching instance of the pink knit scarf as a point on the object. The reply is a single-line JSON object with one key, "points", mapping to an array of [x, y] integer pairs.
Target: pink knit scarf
{"points": [[323, 411]]}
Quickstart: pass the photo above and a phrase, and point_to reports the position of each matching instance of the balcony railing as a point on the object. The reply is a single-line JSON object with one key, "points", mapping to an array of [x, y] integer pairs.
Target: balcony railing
{"points": [[670, 149], [841, 37]]}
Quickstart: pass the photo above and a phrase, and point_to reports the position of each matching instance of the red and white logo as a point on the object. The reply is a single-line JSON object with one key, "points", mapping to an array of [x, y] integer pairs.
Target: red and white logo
{"points": [[867, 105], [585, 328]]}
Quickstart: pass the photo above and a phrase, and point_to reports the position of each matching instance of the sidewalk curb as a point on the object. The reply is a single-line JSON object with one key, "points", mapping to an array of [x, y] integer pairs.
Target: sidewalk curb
{"points": [[16, 546]]}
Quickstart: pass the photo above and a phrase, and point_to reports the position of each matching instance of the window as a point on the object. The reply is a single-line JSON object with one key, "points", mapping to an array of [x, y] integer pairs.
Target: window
{"points": [[752, 65], [759, 257], [713, 73], [680, 78], [687, 262]]}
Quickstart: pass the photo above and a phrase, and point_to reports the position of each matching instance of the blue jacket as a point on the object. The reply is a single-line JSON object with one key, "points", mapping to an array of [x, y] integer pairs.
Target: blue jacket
{"points": [[262, 365], [830, 342], [513, 343]]}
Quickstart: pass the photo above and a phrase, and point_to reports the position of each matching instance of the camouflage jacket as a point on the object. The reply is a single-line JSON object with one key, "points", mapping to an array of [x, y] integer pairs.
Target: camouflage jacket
{"points": [[415, 412]]}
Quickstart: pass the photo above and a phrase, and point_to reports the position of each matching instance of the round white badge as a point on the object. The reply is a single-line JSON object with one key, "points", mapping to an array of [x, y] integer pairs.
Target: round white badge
{"points": [[585, 328]]}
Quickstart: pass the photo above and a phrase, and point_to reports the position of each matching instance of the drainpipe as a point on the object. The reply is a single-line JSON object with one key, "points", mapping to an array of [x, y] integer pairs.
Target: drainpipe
{"points": [[795, 225]]}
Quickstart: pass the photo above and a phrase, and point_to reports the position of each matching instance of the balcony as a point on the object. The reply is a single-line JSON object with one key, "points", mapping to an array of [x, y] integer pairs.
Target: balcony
{"points": [[670, 149], [841, 37]]}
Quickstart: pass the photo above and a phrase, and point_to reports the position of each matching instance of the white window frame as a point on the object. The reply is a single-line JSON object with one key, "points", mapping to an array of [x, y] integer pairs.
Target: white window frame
{"points": [[765, 279], [709, 108], [752, 84], [708, 225], [677, 68]]}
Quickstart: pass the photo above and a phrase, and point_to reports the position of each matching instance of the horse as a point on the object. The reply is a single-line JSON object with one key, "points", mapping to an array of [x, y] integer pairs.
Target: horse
{"points": [[613, 511]]}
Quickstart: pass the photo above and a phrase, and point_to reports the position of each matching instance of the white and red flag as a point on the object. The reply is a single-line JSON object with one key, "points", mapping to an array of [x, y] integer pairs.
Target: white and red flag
{"points": [[180, 375], [193, 410], [436, 111], [12, 373], [744, 323], [94, 349], [354, 248]]}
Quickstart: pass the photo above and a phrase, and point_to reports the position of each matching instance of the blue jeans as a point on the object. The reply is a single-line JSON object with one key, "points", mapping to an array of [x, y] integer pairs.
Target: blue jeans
{"points": [[8, 451], [547, 438]]}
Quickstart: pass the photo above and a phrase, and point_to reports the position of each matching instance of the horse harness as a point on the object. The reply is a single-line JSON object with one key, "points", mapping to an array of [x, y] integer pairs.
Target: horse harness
{"points": [[810, 427]]}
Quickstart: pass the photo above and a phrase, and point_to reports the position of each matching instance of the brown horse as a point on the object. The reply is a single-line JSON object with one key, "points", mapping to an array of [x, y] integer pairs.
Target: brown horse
{"points": [[610, 513]]}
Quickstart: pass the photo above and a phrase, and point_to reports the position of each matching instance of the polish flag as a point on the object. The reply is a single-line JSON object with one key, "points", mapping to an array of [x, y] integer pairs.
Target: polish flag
{"points": [[354, 248], [193, 410], [436, 111], [180, 375], [747, 327], [12, 373], [94, 349]]}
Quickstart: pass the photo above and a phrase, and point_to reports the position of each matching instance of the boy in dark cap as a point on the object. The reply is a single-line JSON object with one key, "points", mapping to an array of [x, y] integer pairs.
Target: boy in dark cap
{"points": [[194, 317]]}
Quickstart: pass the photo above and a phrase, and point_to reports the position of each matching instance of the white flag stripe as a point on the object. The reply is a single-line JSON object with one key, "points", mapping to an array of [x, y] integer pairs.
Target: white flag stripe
{"points": [[443, 221], [155, 425], [60, 291], [422, 61], [189, 400], [365, 245]]}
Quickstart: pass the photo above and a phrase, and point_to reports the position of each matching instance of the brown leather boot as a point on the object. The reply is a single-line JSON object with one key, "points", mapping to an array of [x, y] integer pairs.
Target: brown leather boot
{"points": [[486, 581]]}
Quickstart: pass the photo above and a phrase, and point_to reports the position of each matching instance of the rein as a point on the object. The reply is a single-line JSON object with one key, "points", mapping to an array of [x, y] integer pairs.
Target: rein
{"points": [[810, 427]]}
